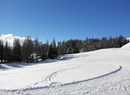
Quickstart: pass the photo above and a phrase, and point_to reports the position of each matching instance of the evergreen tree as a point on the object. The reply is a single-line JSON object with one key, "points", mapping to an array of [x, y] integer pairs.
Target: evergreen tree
{"points": [[45, 50], [104, 42], [1, 51], [27, 50], [120, 41], [111, 42], [33, 50], [53, 52], [73, 46], [36, 46], [7, 53], [37, 49], [17, 56]]}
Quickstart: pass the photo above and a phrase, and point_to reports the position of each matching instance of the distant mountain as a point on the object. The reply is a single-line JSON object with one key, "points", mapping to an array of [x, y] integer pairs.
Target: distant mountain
{"points": [[10, 38]]}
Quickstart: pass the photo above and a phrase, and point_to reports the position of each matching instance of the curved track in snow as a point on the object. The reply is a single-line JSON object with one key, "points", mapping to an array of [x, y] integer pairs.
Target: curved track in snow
{"points": [[54, 82]]}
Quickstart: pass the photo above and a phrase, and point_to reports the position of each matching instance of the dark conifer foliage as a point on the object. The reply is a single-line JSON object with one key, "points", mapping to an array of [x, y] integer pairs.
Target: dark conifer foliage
{"points": [[90, 44], [37, 50], [44, 50], [1, 51], [53, 50], [7, 53], [27, 50], [16, 52], [33, 51]]}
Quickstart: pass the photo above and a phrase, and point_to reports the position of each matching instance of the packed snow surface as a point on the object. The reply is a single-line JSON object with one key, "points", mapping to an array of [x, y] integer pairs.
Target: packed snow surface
{"points": [[126, 47], [101, 72]]}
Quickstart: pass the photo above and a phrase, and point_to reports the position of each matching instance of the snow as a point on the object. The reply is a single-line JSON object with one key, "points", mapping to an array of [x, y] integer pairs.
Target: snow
{"points": [[126, 47], [10, 38], [128, 38], [101, 72], [59, 72]]}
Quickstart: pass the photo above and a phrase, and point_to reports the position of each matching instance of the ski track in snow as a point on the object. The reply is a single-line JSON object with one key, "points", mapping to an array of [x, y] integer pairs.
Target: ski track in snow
{"points": [[49, 79], [57, 84], [116, 82], [99, 86]]}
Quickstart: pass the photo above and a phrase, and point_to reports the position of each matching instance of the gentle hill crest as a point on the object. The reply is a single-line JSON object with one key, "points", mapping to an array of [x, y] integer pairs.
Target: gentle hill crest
{"points": [[126, 47]]}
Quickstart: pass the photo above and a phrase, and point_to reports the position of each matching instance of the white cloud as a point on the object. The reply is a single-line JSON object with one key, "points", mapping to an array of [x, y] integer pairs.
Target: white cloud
{"points": [[10, 38]]}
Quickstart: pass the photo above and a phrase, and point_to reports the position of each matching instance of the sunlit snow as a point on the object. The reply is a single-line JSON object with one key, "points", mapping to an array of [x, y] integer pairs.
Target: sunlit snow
{"points": [[101, 72]]}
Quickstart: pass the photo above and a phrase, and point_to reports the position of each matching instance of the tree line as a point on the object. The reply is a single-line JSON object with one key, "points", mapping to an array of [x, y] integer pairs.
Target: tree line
{"points": [[33, 50]]}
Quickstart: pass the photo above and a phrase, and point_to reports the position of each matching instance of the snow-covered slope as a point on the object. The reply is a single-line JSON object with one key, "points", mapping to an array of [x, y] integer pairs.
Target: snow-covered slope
{"points": [[63, 72], [10, 38], [101, 72], [126, 47]]}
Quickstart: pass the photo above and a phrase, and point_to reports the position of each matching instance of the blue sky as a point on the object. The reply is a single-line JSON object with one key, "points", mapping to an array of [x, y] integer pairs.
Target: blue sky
{"points": [[65, 19]]}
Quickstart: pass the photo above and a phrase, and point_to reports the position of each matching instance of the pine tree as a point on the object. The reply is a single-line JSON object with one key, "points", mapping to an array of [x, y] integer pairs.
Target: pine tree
{"points": [[7, 53], [45, 50], [53, 52], [17, 56], [37, 50], [1, 51], [27, 50], [120, 41], [104, 42]]}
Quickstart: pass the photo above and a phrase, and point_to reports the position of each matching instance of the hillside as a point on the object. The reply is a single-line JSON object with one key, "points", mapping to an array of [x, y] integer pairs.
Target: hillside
{"points": [[126, 47], [105, 71]]}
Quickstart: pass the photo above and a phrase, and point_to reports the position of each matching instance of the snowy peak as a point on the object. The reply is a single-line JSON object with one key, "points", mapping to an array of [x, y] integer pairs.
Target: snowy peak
{"points": [[10, 38]]}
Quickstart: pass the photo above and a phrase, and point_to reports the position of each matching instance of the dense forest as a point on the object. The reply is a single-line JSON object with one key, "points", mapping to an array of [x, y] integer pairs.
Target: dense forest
{"points": [[33, 50]]}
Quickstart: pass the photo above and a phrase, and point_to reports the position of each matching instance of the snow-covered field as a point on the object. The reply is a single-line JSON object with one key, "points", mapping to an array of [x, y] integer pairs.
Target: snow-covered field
{"points": [[101, 72]]}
